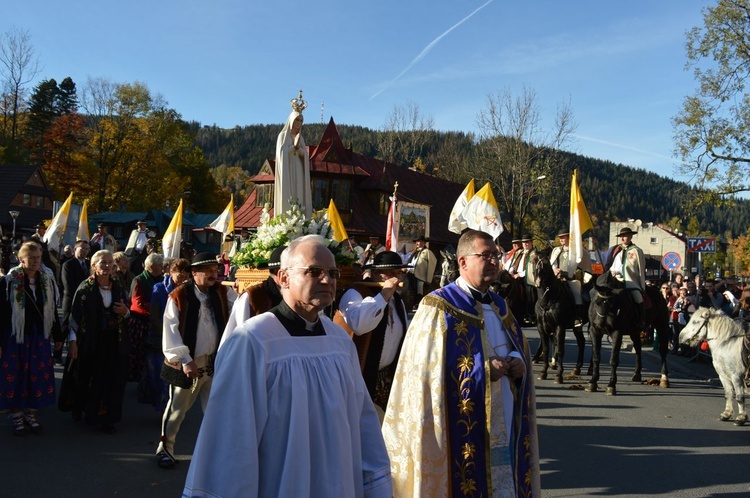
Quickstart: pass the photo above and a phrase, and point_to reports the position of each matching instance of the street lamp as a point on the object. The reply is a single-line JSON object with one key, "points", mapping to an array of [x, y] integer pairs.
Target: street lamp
{"points": [[520, 201], [14, 214]]}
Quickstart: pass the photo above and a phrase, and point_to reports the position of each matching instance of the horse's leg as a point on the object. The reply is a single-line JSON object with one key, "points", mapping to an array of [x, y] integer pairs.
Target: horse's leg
{"points": [[544, 343], [637, 346], [596, 349], [663, 352], [538, 355], [559, 352], [726, 383], [614, 361], [738, 382], [581, 342]]}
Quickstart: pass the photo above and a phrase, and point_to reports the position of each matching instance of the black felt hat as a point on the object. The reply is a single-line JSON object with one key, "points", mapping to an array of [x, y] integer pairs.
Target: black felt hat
{"points": [[386, 260], [203, 259], [563, 233], [625, 231], [527, 238], [422, 238]]}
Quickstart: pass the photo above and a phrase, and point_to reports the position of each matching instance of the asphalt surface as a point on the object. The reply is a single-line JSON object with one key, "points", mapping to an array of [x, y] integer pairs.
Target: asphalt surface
{"points": [[71, 459]]}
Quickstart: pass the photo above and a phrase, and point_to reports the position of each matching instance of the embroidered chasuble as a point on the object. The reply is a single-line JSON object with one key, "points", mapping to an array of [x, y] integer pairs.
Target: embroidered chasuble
{"points": [[444, 428]]}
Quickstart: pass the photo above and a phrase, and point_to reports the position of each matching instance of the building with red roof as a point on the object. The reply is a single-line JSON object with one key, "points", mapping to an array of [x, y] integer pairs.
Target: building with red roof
{"points": [[360, 187]]}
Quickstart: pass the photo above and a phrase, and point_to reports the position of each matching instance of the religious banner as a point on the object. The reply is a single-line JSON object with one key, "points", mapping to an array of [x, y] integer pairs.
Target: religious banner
{"points": [[415, 221]]}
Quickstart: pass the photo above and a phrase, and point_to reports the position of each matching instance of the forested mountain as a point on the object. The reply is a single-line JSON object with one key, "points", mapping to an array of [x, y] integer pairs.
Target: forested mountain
{"points": [[611, 191]]}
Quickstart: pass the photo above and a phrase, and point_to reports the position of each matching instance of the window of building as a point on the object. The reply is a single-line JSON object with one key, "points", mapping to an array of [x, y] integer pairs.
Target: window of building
{"points": [[265, 194], [214, 238], [39, 201], [654, 240], [385, 204], [26, 199], [320, 193], [337, 189], [340, 193]]}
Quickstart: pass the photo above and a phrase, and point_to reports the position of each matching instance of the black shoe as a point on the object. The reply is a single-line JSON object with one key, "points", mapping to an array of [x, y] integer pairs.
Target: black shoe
{"points": [[165, 460]]}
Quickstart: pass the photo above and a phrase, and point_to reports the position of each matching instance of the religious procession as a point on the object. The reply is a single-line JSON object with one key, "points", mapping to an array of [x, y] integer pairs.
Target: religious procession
{"points": [[325, 366]]}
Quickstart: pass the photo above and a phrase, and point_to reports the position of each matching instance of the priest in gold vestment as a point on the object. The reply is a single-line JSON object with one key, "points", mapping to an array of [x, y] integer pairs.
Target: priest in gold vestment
{"points": [[461, 418]]}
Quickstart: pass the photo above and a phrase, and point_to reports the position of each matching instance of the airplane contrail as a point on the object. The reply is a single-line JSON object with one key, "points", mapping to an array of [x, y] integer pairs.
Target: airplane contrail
{"points": [[428, 48], [627, 147]]}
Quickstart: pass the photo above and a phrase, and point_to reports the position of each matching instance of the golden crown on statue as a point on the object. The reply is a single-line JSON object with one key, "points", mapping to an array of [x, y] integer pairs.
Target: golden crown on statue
{"points": [[298, 104]]}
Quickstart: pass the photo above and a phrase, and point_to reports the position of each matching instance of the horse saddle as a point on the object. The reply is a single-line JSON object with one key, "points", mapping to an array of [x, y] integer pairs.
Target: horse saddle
{"points": [[607, 285]]}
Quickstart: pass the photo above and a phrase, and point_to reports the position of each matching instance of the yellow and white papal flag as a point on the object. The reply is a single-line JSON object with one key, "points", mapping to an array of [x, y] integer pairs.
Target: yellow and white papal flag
{"points": [[56, 230], [83, 223], [456, 222], [170, 243], [482, 213], [337, 224], [225, 222], [580, 222]]}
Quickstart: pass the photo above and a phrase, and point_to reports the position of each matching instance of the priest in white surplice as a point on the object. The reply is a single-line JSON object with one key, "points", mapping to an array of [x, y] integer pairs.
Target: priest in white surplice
{"points": [[289, 413]]}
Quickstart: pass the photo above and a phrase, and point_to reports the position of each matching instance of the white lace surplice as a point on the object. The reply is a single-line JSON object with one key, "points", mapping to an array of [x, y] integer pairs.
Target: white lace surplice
{"points": [[288, 416]]}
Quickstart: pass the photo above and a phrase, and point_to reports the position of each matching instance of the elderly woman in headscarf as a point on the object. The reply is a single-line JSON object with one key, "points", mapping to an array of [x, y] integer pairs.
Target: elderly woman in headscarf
{"points": [[28, 297], [97, 320], [292, 173]]}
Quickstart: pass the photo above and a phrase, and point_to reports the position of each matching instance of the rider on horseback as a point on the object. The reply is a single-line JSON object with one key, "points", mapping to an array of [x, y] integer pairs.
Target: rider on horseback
{"points": [[525, 271], [513, 257], [628, 264], [572, 273]]}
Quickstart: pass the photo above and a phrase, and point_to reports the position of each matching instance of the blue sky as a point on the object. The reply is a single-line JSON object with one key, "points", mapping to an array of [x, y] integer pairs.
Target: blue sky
{"points": [[620, 65]]}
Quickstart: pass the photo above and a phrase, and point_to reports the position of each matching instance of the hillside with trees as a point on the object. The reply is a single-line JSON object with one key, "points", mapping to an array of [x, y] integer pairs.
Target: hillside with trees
{"points": [[611, 191]]}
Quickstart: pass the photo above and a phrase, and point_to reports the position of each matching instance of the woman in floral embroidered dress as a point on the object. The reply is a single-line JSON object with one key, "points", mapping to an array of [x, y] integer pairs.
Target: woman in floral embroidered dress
{"points": [[95, 342], [28, 296]]}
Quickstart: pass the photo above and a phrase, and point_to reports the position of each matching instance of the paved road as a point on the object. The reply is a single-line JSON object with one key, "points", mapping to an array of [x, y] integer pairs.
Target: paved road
{"points": [[645, 441]]}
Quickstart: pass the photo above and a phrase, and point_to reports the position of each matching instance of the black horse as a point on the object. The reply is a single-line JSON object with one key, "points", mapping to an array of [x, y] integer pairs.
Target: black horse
{"points": [[512, 290], [613, 312], [555, 313]]}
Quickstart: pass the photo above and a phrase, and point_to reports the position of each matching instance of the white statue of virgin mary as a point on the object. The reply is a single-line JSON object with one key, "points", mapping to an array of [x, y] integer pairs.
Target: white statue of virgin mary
{"points": [[292, 174]]}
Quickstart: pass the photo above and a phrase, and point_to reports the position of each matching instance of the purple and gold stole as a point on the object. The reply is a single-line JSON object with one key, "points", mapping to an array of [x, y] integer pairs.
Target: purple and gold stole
{"points": [[467, 394]]}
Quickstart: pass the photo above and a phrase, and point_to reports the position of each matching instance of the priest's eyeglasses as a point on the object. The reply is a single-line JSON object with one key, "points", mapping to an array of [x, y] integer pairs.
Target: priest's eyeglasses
{"points": [[487, 255], [317, 271]]}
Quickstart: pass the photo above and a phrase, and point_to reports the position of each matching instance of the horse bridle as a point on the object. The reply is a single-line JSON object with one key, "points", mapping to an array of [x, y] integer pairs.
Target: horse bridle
{"points": [[704, 325], [606, 299]]}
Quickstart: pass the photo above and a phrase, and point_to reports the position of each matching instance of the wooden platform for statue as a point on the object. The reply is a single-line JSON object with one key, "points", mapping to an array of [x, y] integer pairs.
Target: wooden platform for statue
{"points": [[251, 276]]}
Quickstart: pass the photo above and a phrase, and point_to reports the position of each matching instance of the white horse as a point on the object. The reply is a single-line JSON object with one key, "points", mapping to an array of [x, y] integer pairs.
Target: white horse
{"points": [[724, 337], [449, 267]]}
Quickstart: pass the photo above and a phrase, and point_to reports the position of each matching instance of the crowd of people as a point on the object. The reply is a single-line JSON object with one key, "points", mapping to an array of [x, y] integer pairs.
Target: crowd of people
{"points": [[684, 297], [273, 358]]}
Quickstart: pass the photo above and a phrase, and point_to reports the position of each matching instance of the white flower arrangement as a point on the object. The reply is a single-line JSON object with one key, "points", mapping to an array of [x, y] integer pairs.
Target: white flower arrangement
{"points": [[280, 230]]}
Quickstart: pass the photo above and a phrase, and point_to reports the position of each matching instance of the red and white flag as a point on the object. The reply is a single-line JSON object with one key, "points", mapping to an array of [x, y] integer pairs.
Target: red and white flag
{"points": [[391, 234]]}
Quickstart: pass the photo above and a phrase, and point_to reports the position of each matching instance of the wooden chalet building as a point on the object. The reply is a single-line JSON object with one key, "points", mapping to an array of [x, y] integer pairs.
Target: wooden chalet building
{"points": [[361, 186], [25, 190]]}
